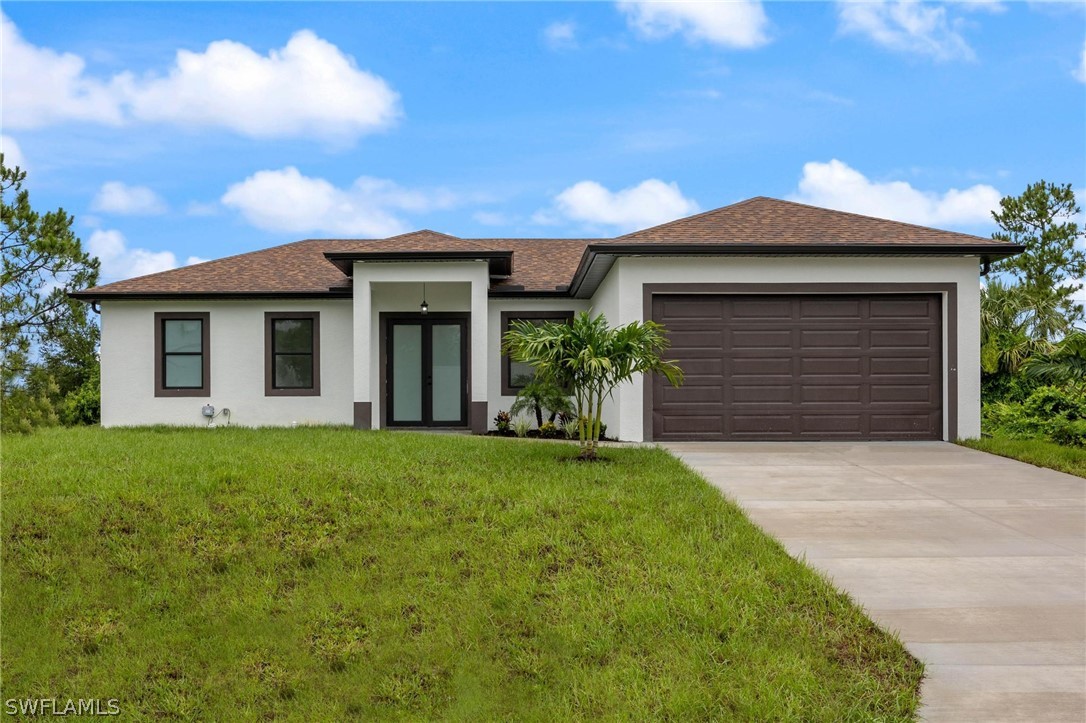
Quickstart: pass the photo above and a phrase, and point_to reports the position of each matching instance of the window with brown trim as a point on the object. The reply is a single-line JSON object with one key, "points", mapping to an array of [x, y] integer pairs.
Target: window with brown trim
{"points": [[182, 354], [515, 375], [292, 353]]}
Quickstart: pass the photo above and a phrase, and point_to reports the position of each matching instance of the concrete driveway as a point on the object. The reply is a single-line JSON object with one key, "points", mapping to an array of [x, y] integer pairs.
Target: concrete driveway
{"points": [[976, 561]]}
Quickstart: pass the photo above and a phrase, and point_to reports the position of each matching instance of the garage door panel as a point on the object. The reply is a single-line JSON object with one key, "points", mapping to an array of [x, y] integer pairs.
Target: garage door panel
{"points": [[829, 365], [830, 307], [903, 308], [760, 309], [830, 339], [767, 339], [837, 393], [761, 366], [901, 393], [802, 367], [895, 365], [901, 339], [761, 393]]}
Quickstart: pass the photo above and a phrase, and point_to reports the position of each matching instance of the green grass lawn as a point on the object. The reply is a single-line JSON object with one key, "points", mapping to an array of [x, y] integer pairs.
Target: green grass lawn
{"points": [[1040, 452], [322, 574]]}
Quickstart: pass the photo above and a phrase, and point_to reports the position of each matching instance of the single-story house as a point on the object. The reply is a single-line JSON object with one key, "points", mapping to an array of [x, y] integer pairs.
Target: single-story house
{"points": [[790, 322]]}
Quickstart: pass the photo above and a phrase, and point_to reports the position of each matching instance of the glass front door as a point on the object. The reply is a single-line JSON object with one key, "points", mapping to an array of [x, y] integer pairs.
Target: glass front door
{"points": [[426, 374]]}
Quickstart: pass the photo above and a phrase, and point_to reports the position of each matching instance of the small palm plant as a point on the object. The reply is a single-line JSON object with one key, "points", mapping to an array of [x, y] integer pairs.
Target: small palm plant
{"points": [[1064, 365], [538, 395], [591, 359]]}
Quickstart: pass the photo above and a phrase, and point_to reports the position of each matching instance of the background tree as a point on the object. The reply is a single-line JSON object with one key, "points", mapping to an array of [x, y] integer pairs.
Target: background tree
{"points": [[1047, 274], [591, 359], [49, 340], [539, 395]]}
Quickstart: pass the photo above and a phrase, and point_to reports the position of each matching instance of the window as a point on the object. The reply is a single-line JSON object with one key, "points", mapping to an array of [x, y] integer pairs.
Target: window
{"points": [[292, 354], [515, 375], [182, 354]]}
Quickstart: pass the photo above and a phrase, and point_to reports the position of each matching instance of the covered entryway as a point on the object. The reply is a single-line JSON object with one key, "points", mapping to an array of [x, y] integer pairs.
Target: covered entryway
{"points": [[801, 366]]}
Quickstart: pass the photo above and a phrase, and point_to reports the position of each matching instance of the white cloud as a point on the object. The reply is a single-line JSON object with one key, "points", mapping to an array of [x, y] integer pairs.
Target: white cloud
{"points": [[560, 35], [286, 201], [309, 87], [731, 24], [837, 185], [906, 26], [1080, 71], [42, 86], [121, 262], [195, 260], [13, 154], [119, 198], [649, 203]]}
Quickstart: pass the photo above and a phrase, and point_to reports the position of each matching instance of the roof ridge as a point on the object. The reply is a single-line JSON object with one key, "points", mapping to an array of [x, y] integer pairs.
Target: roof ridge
{"points": [[689, 218], [870, 218], [174, 270]]}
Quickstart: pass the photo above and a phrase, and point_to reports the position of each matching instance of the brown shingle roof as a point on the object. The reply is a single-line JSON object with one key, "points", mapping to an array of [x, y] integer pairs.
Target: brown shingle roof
{"points": [[301, 268], [769, 221]]}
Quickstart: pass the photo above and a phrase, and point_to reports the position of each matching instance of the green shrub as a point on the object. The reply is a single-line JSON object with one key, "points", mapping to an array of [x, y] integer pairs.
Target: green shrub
{"points": [[503, 422], [1048, 412], [548, 430], [1068, 432], [1049, 402], [84, 405], [521, 425]]}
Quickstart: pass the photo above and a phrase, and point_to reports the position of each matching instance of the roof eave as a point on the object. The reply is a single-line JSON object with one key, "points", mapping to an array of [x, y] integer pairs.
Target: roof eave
{"points": [[500, 263], [608, 252]]}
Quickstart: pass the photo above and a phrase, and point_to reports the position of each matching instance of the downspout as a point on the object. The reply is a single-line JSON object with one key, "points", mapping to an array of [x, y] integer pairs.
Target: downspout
{"points": [[986, 265]]}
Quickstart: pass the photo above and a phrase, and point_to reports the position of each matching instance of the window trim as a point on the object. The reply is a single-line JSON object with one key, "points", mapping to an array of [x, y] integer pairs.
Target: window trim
{"points": [[270, 390], [506, 317], [204, 318]]}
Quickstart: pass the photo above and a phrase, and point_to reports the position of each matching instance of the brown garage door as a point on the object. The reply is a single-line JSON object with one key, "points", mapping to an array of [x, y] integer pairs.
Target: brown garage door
{"points": [[801, 367]]}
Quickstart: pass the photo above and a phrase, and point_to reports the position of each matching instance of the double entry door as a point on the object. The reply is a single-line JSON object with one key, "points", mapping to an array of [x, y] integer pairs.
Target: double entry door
{"points": [[426, 376]]}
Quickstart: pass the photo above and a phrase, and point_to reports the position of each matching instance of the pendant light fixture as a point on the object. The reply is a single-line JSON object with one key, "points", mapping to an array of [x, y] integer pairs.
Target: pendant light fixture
{"points": [[424, 306]]}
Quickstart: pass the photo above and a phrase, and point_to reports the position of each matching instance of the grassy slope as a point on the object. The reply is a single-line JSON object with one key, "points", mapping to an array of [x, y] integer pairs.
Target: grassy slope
{"points": [[1040, 452], [323, 573]]}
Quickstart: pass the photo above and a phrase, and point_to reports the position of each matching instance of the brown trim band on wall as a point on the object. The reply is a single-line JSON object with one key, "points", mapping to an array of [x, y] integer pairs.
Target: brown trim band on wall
{"points": [[478, 413], [950, 314], [506, 316], [363, 415], [270, 390], [205, 350]]}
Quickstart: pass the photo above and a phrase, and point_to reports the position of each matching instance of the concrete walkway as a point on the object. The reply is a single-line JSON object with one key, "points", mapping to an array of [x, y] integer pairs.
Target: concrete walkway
{"points": [[975, 560]]}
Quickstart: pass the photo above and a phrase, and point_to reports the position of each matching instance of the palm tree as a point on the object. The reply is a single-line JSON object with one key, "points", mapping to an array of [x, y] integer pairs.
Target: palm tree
{"points": [[1012, 329], [1064, 365], [591, 359]]}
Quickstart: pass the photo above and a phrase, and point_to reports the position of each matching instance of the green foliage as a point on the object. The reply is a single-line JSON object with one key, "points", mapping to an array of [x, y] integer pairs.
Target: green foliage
{"points": [[335, 575], [539, 395], [1042, 219], [1064, 364], [1055, 413], [503, 422], [548, 430], [84, 405], [42, 261], [591, 359], [521, 426], [28, 407]]}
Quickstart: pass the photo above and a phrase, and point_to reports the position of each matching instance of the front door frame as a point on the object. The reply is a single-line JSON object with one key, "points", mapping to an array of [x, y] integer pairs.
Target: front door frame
{"points": [[385, 321]]}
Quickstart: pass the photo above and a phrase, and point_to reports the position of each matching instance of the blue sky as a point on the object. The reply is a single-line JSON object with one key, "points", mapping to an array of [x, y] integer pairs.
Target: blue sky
{"points": [[178, 132]]}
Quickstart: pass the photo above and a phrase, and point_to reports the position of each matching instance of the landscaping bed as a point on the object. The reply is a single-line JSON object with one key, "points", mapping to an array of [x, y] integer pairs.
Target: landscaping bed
{"points": [[322, 574]]}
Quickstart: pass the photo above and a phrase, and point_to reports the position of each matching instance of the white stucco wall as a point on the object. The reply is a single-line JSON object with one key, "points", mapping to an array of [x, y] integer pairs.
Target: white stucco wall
{"points": [[620, 298], [237, 365]]}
